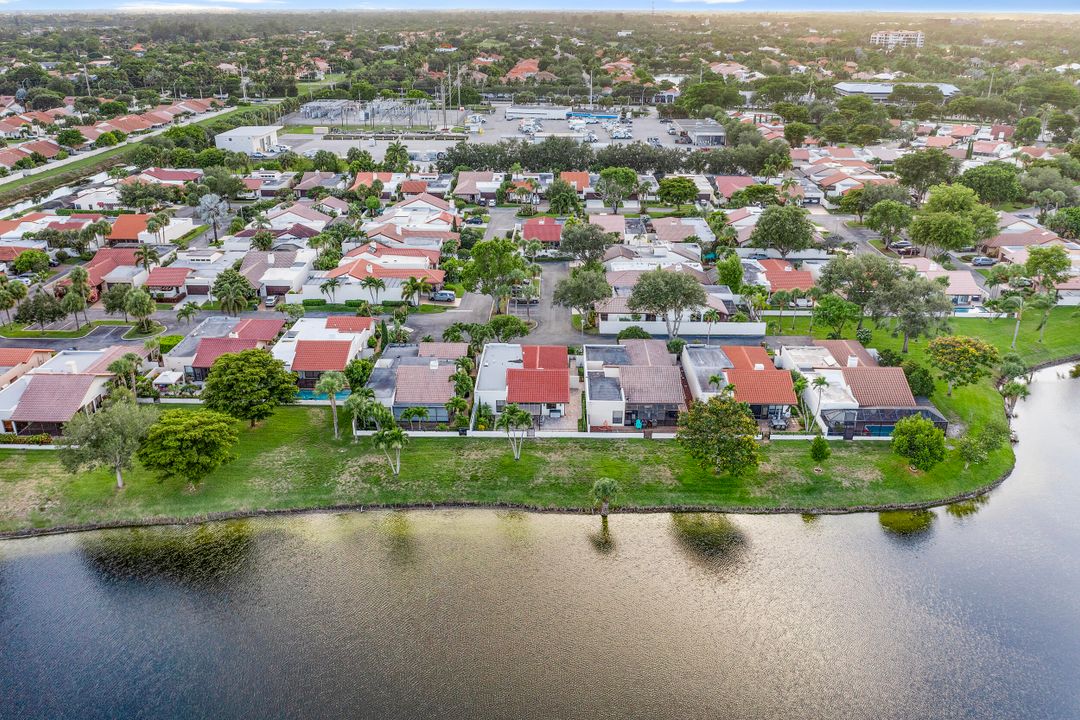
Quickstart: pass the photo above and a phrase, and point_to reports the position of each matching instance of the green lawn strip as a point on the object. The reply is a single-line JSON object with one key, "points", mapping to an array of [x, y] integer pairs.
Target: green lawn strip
{"points": [[17, 330], [134, 333], [292, 461]]}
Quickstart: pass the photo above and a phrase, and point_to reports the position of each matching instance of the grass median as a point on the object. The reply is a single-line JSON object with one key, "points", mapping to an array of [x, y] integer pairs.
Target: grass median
{"points": [[293, 461]]}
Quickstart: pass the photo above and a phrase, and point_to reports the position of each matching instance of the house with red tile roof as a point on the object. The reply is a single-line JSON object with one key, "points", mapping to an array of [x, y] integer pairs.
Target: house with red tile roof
{"points": [[164, 176], [112, 266], [313, 346], [15, 362], [131, 228], [166, 284], [47, 394], [711, 370], [782, 275], [543, 229], [535, 377], [211, 348]]}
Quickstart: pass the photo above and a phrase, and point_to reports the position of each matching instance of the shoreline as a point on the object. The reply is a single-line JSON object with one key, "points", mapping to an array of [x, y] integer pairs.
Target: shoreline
{"points": [[466, 505], [223, 516]]}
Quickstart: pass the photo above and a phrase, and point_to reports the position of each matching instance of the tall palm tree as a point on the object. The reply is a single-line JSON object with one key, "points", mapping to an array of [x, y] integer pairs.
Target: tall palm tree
{"points": [[374, 286], [1045, 302], [146, 255], [415, 286], [214, 210], [330, 384], [603, 490], [819, 384], [464, 364], [1016, 304], [781, 298], [516, 422], [329, 287], [391, 440], [711, 316], [164, 219]]}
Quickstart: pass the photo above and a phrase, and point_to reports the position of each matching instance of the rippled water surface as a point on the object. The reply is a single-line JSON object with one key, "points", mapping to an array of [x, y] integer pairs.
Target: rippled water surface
{"points": [[966, 612]]}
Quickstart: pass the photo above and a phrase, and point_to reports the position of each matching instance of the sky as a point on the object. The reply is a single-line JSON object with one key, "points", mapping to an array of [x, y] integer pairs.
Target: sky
{"points": [[934, 6]]}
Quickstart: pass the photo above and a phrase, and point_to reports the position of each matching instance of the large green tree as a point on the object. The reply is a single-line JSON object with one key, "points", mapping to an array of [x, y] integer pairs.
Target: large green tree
{"points": [[924, 168], [961, 360], [586, 242], [668, 294], [994, 182], [615, 185], [107, 438], [720, 435], [785, 228], [580, 291], [889, 218], [918, 440], [188, 445], [861, 279], [248, 385]]}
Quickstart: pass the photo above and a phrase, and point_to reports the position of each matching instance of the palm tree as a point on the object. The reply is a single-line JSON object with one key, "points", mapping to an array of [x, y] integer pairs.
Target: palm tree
{"points": [[415, 286], [360, 407], [153, 225], [187, 312], [126, 366], [1013, 391], [261, 222], [463, 383], [1015, 303], [603, 490], [456, 406], [516, 422], [262, 240], [330, 384], [146, 255], [232, 300], [813, 295], [212, 209], [374, 285], [464, 364], [820, 383], [101, 230], [329, 286], [711, 316], [1045, 302], [781, 298], [163, 218], [794, 295], [391, 440]]}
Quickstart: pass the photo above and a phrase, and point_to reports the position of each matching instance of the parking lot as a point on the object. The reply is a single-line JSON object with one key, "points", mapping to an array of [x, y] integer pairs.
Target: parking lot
{"points": [[495, 128]]}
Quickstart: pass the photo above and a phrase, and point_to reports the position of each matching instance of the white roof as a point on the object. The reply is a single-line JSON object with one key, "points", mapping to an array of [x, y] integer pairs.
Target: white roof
{"points": [[252, 131]]}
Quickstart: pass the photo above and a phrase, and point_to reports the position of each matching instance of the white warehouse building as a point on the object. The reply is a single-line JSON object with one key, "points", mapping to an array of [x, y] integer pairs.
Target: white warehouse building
{"points": [[249, 139]]}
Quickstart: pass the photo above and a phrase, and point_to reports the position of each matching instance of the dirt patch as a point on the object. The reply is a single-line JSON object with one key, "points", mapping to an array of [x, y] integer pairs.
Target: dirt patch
{"points": [[774, 475], [273, 471], [20, 498], [356, 478]]}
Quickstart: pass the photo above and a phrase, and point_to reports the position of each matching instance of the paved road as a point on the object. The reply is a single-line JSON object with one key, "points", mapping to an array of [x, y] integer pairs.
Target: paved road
{"points": [[474, 308]]}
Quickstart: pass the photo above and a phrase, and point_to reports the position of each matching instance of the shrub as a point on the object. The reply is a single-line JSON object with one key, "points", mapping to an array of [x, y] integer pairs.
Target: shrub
{"points": [[313, 302], [634, 332], [889, 357], [918, 440], [353, 303], [864, 336], [12, 439], [919, 378], [819, 449], [168, 342], [675, 347]]}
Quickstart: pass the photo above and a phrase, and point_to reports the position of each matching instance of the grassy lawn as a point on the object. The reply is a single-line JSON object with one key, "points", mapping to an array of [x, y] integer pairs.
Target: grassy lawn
{"points": [[134, 333], [91, 165], [293, 461], [18, 330]]}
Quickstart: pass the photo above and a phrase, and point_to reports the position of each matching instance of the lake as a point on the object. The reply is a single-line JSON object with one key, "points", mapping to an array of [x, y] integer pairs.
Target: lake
{"points": [[967, 612]]}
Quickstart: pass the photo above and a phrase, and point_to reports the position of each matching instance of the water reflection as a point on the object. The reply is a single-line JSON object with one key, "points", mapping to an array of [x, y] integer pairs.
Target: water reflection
{"points": [[602, 540], [210, 554], [967, 508], [907, 523], [397, 534], [709, 537]]}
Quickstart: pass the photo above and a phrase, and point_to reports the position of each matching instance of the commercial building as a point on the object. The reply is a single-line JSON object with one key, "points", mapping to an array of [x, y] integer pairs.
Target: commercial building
{"points": [[249, 139]]}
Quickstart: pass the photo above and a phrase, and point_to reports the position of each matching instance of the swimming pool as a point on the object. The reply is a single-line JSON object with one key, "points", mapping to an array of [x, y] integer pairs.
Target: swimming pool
{"points": [[305, 394]]}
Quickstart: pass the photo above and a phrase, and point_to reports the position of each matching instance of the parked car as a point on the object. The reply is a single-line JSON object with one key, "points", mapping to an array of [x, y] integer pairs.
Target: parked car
{"points": [[665, 121], [983, 261], [259, 155], [492, 202], [474, 220], [910, 250], [271, 301], [682, 140], [672, 131], [442, 296]]}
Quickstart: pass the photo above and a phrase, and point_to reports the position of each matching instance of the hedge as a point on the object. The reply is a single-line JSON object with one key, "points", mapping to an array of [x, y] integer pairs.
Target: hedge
{"points": [[312, 302], [12, 439]]}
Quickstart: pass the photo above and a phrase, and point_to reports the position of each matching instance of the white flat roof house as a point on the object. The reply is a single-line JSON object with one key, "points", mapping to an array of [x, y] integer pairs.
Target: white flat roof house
{"points": [[248, 138]]}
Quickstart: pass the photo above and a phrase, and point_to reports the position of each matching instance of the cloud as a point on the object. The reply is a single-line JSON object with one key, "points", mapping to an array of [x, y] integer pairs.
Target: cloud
{"points": [[709, 2], [253, 2]]}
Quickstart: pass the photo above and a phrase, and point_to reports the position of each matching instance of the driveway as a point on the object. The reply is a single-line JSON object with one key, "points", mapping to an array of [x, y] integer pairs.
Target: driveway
{"points": [[100, 337], [837, 225], [502, 219], [553, 322]]}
